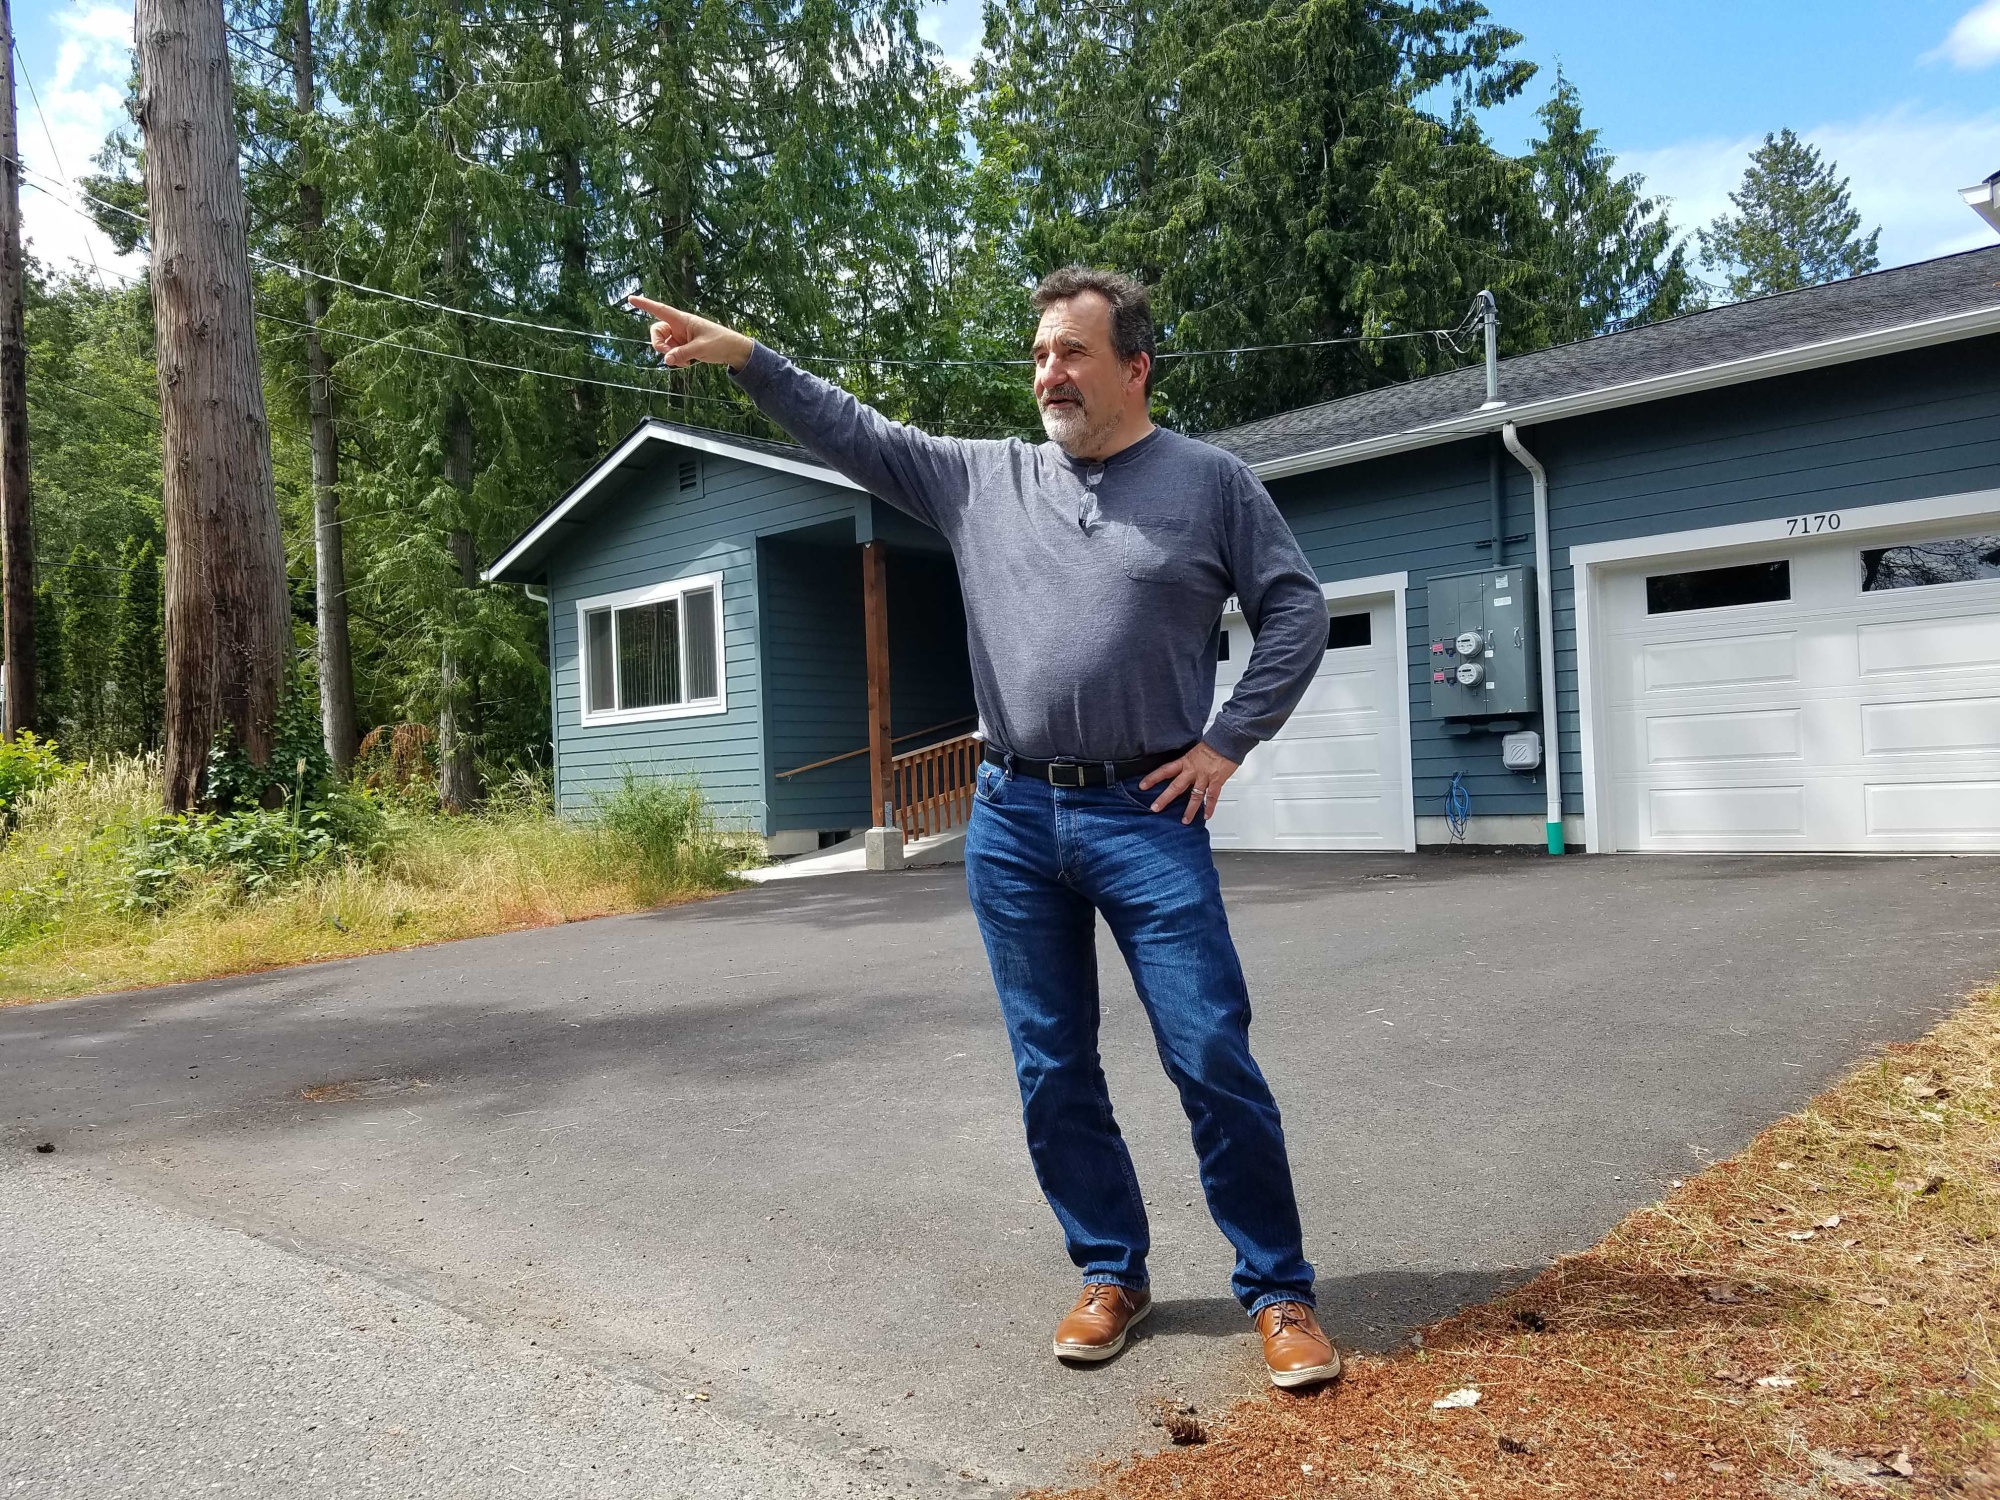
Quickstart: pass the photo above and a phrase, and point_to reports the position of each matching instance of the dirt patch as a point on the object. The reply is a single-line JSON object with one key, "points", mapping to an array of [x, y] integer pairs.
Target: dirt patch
{"points": [[349, 1089], [1819, 1316]]}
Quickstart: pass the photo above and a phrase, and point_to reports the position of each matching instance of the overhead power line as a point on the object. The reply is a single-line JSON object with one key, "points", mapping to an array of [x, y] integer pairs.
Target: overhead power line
{"points": [[325, 329], [1448, 336], [492, 364]]}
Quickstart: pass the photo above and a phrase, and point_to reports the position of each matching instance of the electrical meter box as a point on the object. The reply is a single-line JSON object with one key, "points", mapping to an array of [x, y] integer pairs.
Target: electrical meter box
{"points": [[1483, 648]]}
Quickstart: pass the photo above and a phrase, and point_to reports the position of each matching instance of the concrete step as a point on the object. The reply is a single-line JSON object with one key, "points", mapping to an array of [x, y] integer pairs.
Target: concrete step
{"points": [[853, 854]]}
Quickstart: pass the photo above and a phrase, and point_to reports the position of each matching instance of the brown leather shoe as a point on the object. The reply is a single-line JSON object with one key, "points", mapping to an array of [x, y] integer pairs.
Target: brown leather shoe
{"points": [[1096, 1327], [1296, 1349]]}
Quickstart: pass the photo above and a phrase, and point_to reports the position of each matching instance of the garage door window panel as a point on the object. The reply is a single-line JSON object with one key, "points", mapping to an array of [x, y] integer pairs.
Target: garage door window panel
{"points": [[1719, 588], [652, 653], [1916, 565], [1344, 632]]}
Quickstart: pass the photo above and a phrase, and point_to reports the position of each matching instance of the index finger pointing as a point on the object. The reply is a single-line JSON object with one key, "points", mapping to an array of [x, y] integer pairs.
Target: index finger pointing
{"points": [[655, 309]]}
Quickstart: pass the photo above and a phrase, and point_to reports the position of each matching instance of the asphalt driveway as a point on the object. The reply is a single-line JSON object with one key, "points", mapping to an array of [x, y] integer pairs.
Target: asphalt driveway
{"points": [[732, 1198]]}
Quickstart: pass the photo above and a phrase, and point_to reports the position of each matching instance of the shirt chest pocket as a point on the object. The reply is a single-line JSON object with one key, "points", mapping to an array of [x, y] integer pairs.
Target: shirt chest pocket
{"points": [[1156, 549]]}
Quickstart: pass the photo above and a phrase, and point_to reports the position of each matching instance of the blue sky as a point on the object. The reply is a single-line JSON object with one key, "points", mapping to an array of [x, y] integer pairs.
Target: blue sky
{"points": [[1903, 94]]}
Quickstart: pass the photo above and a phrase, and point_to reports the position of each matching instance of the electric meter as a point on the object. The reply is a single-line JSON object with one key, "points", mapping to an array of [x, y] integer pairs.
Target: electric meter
{"points": [[1483, 644]]}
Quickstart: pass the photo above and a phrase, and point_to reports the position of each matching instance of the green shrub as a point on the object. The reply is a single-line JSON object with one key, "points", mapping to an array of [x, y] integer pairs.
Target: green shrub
{"points": [[168, 855], [254, 850], [27, 764], [298, 770], [668, 825]]}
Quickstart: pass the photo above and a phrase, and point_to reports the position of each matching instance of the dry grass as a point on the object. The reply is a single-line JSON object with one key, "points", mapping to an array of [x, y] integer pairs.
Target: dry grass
{"points": [[62, 931], [1819, 1316]]}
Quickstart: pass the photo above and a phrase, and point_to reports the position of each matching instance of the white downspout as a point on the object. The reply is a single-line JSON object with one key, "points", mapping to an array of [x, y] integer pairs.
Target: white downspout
{"points": [[555, 755], [1545, 613]]}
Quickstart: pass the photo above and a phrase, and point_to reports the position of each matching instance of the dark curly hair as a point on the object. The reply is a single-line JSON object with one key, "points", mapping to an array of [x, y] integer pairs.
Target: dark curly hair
{"points": [[1131, 308]]}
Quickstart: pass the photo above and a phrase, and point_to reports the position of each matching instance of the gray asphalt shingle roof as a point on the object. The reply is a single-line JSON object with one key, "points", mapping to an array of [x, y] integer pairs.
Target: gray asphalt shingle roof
{"points": [[1767, 325]]}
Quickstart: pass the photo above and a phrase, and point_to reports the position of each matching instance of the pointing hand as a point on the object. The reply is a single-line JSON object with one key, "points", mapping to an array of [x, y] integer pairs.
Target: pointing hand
{"points": [[683, 339]]}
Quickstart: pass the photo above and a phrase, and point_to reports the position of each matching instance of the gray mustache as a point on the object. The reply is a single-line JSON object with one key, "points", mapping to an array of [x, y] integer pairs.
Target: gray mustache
{"points": [[1062, 393]]}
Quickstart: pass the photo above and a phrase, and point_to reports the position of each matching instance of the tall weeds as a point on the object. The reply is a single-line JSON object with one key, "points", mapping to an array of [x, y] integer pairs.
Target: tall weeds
{"points": [[98, 891]]}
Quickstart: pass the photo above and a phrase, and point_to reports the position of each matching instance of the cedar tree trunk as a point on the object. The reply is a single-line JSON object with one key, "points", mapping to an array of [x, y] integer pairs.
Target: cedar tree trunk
{"points": [[227, 616]]}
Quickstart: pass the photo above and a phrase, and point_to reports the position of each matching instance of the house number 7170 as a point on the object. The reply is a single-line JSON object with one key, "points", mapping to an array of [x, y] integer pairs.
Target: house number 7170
{"points": [[1826, 520]]}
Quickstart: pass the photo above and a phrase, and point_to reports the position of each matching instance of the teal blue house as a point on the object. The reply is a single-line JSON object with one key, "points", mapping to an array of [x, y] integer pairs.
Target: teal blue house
{"points": [[705, 602], [1772, 542]]}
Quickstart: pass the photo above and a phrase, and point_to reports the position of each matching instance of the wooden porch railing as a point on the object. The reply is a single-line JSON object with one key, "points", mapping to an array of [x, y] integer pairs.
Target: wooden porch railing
{"points": [[934, 786]]}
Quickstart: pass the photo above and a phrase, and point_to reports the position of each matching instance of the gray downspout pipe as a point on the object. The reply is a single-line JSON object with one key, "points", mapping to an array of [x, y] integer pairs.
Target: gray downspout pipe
{"points": [[1545, 612]]}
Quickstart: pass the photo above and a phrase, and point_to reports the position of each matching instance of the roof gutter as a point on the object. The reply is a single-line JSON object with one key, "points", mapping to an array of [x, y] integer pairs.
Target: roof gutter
{"points": [[1880, 341]]}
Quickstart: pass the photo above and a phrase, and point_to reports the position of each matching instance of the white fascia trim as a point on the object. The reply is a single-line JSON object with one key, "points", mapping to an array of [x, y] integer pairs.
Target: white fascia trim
{"points": [[1847, 520], [1375, 586], [1402, 591], [1588, 561], [650, 594], [654, 433], [1879, 341], [1340, 590], [1583, 596]]}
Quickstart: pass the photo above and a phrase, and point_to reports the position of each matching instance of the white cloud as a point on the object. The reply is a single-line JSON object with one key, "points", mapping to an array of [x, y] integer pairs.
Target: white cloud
{"points": [[1975, 41], [954, 27], [1905, 167], [81, 102]]}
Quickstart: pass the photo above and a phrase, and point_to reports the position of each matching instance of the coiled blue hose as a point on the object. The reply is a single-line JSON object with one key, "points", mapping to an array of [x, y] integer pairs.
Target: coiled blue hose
{"points": [[1457, 805]]}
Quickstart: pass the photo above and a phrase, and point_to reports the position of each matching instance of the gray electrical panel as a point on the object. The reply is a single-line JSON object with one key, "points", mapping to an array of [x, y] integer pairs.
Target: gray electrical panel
{"points": [[1483, 648]]}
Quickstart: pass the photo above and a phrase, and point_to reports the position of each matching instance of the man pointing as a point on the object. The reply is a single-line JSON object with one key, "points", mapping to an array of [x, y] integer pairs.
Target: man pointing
{"points": [[1095, 568]]}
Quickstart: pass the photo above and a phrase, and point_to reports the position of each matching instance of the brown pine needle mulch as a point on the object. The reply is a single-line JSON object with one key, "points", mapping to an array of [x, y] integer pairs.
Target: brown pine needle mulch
{"points": [[1819, 1316]]}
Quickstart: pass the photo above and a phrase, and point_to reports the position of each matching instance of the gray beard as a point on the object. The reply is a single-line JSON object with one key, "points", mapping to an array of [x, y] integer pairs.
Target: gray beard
{"points": [[1072, 428]]}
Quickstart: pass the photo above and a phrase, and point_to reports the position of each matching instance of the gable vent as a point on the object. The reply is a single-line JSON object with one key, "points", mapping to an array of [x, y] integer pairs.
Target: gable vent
{"points": [[690, 473]]}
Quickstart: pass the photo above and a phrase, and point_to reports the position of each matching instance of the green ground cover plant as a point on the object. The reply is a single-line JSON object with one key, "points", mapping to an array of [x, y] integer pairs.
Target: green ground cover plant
{"points": [[100, 890]]}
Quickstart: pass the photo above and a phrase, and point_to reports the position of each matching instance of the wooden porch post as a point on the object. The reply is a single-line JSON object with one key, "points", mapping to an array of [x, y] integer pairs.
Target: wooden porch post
{"points": [[875, 611]]}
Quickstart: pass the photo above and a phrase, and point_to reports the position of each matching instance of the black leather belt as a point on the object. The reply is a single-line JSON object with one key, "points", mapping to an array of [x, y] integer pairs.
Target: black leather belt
{"points": [[1067, 771]]}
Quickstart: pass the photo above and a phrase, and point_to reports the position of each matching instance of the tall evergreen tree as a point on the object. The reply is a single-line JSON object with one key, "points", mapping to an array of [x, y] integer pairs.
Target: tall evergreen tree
{"points": [[539, 162], [89, 595], [138, 668], [1268, 167], [1794, 225], [1611, 254], [51, 688]]}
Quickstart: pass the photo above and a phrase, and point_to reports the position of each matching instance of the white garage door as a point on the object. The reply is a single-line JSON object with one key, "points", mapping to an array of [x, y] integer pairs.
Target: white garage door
{"points": [[1336, 776], [1837, 694]]}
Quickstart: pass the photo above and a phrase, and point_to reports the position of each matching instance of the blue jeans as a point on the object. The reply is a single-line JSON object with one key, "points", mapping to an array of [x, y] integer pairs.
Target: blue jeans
{"points": [[1040, 863]]}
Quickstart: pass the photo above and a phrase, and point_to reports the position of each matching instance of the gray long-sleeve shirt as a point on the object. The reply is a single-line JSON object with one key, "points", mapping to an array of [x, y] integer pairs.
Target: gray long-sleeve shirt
{"points": [[1092, 590]]}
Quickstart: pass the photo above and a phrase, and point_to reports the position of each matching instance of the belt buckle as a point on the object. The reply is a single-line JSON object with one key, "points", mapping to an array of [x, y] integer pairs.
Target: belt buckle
{"points": [[1061, 770]]}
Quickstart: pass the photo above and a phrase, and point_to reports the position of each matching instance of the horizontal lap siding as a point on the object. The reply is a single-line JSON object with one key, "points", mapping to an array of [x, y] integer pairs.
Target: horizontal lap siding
{"points": [[654, 534], [816, 671], [815, 683], [1899, 428], [930, 669], [1426, 512]]}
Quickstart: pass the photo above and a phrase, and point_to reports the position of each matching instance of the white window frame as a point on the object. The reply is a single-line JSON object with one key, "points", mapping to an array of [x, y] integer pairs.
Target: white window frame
{"points": [[631, 598]]}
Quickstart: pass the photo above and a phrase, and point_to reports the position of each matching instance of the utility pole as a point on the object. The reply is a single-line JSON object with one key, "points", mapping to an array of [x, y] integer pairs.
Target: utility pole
{"points": [[228, 619], [17, 527], [338, 726]]}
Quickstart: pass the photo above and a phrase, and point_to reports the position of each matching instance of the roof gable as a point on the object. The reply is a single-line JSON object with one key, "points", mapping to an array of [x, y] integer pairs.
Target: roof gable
{"points": [[523, 558]]}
